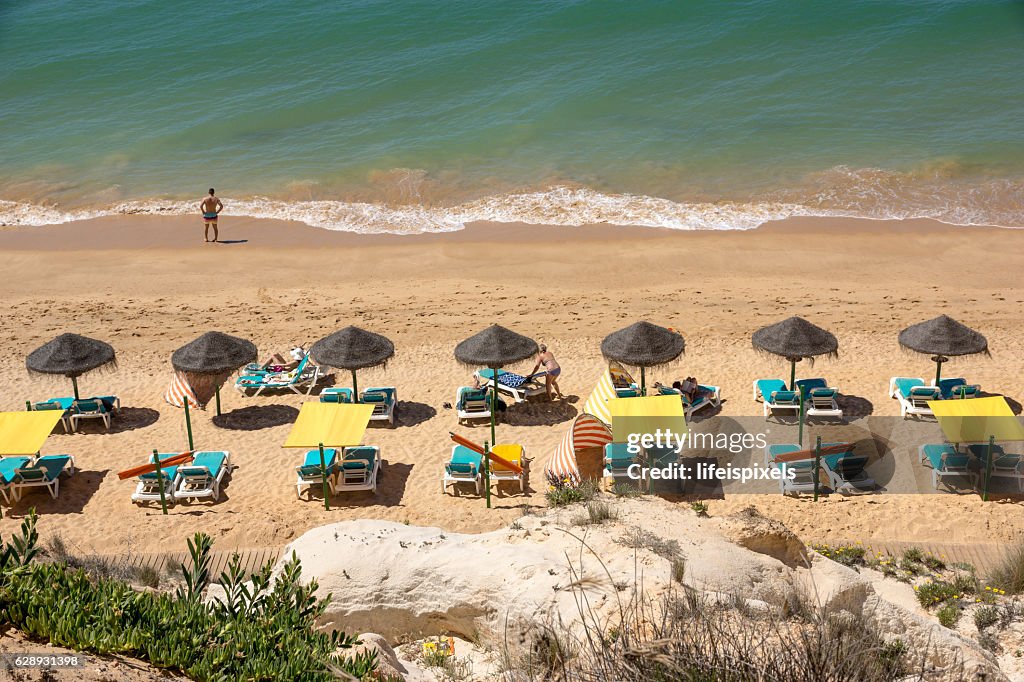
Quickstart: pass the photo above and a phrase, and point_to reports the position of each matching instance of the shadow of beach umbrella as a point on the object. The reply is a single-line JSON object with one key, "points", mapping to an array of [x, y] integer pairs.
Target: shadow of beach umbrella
{"points": [[643, 345], [352, 348], [494, 348], [206, 363], [796, 339], [941, 338], [71, 355]]}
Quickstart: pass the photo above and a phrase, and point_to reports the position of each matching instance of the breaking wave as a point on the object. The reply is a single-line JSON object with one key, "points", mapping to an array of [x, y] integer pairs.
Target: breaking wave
{"points": [[838, 192]]}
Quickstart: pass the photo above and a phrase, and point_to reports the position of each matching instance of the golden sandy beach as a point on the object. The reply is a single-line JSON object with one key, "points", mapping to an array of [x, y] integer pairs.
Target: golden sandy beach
{"points": [[147, 285]]}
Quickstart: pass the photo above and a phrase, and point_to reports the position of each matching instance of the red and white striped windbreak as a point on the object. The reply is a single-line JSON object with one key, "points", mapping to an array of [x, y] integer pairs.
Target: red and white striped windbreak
{"points": [[179, 391], [586, 432]]}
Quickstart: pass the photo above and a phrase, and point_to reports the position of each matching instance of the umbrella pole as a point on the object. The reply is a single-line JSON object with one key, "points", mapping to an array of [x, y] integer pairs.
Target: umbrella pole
{"points": [[988, 466], [218, 401], [494, 411], [792, 375], [938, 369], [74, 385], [487, 474], [643, 381], [160, 481], [188, 425], [817, 466], [801, 419], [323, 478], [355, 388], [494, 399]]}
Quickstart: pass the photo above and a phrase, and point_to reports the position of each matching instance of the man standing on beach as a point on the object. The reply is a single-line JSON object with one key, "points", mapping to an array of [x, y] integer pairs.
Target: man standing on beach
{"points": [[211, 207]]}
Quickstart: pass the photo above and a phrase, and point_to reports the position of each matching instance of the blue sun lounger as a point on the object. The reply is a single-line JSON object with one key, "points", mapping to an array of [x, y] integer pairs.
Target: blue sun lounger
{"points": [[358, 469], [384, 400], [819, 398], [1004, 464], [463, 467], [946, 461], [44, 472], [305, 374], [148, 487], [336, 394], [8, 468], [472, 403], [709, 396], [776, 397], [958, 388], [913, 395], [202, 478], [309, 475], [515, 385], [618, 459]]}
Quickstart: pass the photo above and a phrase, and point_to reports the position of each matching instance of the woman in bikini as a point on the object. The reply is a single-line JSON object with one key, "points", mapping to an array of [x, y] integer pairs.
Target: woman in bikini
{"points": [[551, 368]]}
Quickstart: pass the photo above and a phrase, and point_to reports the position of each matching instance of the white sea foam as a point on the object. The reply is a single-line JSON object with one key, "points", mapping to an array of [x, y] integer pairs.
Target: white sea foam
{"points": [[556, 206], [570, 207]]}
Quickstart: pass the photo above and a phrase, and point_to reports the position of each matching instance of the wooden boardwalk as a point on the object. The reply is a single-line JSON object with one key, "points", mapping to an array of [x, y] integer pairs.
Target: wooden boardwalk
{"points": [[252, 560]]}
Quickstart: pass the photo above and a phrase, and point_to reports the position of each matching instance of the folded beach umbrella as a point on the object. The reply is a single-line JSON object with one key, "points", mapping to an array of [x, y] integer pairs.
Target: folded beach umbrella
{"points": [[643, 345], [494, 348], [201, 366], [71, 355], [352, 348], [941, 338]]}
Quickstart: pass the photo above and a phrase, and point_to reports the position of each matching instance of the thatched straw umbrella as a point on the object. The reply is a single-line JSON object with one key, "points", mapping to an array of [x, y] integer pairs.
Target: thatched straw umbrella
{"points": [[643, 345], [71, 355], [796, 339], [941, 338], [352, 348], [494, 348], [207, 362]]}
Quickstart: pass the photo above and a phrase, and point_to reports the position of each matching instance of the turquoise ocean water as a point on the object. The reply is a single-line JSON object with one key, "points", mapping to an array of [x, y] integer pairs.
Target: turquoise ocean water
{"points": [[420, 116]]}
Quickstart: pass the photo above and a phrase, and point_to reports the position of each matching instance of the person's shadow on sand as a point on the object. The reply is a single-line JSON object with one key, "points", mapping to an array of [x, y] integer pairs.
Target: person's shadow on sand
{"points": [[232, 241]]}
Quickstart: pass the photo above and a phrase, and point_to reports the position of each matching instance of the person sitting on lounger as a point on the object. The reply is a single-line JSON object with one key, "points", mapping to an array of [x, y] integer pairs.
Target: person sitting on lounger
{"points": [[277, 364], [551, 369], [689, 388]]}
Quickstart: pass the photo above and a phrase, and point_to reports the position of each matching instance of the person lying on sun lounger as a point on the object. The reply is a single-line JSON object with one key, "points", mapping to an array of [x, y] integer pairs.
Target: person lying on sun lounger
{"points": [[277, 364]]}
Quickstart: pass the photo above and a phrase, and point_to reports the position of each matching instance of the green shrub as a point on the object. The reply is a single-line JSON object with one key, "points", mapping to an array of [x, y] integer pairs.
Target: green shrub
{"points": [[986, 616], [699, 507], [258, 631], [936, 592], [891, 655], [948, 615], [847, 555], [562, 492]]}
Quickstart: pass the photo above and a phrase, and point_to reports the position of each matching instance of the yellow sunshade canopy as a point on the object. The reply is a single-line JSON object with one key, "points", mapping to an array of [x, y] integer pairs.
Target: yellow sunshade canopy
{"points": [[332, 424], [23, 433], [975, 420], [646, 415]]}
